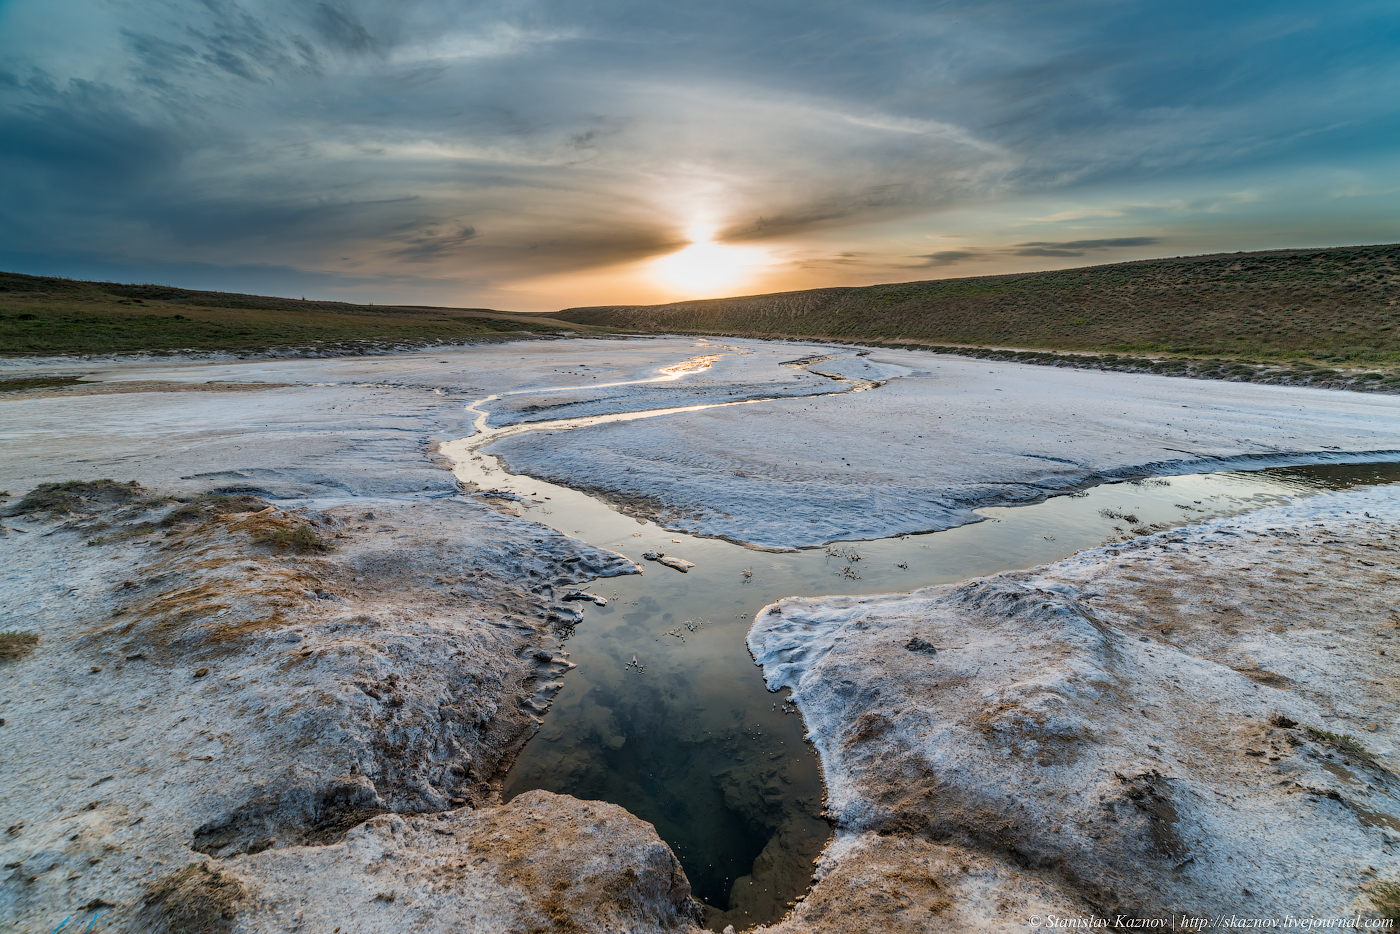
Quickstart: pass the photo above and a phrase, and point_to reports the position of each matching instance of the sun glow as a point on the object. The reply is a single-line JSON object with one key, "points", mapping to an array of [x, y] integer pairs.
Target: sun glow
{"points": [[706, 268]]}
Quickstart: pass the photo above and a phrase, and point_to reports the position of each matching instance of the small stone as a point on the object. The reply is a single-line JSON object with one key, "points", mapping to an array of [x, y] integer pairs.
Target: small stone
{"points": [[1372, 727], [96, 668], [920, 645], [201, 672], [590, 597]]}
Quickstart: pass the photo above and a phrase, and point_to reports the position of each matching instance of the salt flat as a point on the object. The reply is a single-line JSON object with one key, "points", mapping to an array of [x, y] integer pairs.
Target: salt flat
{"points": [[325, 429], [923, 450], [398, 670]]}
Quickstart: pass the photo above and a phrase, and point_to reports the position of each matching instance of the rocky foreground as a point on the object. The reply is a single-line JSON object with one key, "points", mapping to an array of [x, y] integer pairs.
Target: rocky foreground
{"points": [[1198, 723], [275, 688], [243, 717], [239, 717]]}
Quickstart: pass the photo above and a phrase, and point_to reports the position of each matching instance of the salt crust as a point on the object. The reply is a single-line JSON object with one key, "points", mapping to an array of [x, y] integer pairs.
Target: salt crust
{"points": [[116, 788], [928, 447], [1146, 729]]}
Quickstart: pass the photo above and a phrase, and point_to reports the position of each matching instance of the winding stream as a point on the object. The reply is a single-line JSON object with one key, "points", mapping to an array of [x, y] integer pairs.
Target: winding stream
{"points": [[666, 714]]}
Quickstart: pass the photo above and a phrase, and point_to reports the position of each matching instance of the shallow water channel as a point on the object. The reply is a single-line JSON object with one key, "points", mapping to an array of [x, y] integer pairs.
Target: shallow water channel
{"points": [[668, 716]]}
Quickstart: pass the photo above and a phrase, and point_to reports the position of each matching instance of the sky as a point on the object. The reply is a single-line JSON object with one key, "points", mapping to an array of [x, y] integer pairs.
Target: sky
{"points": [[535, 155]]}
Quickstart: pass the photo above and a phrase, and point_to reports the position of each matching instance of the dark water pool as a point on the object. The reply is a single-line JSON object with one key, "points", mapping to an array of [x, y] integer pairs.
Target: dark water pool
{"points": [[689, 738]]}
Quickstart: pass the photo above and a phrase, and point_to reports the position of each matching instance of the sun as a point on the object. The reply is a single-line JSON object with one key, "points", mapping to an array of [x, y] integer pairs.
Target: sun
{"points": [[706, 268]]}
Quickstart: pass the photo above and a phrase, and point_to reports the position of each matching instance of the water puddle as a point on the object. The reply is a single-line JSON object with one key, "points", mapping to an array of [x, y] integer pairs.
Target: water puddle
{"points": [[666, 713]]}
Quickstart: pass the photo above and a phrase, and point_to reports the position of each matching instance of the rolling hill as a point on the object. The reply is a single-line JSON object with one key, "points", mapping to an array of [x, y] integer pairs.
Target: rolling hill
{"points": [[46, 316], [1337, 305]]}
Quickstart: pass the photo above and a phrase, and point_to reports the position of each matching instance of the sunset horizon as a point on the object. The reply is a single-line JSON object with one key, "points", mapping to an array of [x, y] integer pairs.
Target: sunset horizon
{"points": [[537, 157]]}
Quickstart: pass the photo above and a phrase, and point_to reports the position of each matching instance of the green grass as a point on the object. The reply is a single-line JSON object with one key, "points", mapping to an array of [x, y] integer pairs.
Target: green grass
{"points": [[15, 645], [1319, 317], [49, 316], [1342, 742], [1333, 307]]}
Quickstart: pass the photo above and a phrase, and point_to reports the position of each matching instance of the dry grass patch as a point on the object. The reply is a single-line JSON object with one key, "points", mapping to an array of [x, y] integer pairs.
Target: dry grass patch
{"points": [[210, 589], [280, 531], [195, 900], [1386, 897], [179, 607], [15, 645], [79, 496], [190, 511], [302, 539], [210, 505]]}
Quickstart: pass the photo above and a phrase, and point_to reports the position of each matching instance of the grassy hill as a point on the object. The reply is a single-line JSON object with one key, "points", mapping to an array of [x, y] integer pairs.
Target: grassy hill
{"points": [[1337, 306], [1320, 317], [41, 316]]}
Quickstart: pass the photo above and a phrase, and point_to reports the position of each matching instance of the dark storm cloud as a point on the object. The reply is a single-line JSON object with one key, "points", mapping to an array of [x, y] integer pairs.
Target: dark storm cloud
{"points": [[435, 140], [83, 135]]}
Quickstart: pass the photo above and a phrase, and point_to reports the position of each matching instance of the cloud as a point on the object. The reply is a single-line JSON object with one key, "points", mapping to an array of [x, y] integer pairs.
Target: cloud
{"points": [[435, 141], [946, 257], [1080, 247], [1067, 248], [341, 29], [424, 244]]}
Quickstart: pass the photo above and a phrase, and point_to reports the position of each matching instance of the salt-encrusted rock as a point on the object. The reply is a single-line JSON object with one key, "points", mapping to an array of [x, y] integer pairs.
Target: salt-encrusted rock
{"points": [[543, 862], [230, 714], [1125, 731], [589, 597], [680, 564]]}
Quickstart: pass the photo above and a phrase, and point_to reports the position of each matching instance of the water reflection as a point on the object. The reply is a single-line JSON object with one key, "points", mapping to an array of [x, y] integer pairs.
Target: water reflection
{"points": [[692, 741]]}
